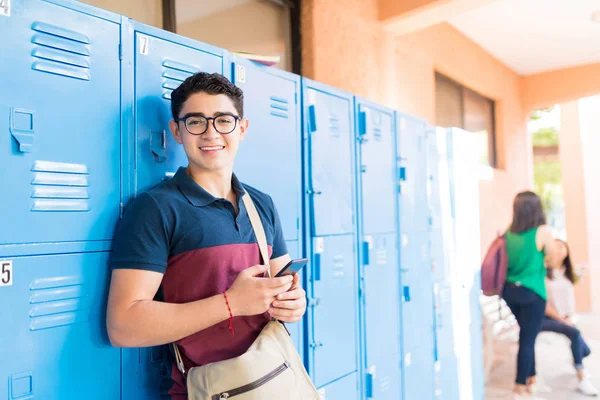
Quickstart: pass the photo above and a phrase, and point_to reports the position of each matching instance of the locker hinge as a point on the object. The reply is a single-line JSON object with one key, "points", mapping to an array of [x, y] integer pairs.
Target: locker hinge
{"points": [[430, 221], [120, 210], [120, 52], [369, 386], [295, 98]]}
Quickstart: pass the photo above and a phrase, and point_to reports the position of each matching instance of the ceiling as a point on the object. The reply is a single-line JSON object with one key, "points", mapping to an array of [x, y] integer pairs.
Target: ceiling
{"points": [[532, 36]]}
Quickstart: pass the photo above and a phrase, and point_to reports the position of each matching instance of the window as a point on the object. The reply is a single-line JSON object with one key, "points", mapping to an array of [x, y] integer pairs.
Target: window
{"points": [[460, 107], [253, 26]]}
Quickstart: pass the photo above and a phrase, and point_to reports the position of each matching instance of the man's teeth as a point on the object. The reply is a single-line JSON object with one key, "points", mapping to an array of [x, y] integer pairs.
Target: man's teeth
{"points": [[212, 148]]}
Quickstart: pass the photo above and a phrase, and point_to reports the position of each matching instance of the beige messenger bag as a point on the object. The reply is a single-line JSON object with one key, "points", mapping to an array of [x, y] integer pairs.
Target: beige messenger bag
{"points": [[271, 369]]}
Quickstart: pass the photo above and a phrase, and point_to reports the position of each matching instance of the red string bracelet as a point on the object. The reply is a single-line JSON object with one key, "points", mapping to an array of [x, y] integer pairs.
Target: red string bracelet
{"points": [[230, 314]]}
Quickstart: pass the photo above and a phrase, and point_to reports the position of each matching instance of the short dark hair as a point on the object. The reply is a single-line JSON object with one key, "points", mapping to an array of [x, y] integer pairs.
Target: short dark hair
{"points": [[209, 84], [527, 212]]}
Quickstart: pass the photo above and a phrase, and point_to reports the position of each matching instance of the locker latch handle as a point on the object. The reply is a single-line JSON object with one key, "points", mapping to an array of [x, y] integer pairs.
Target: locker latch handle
{"points": [[406, 293], [159, 150], [402, 173], [22, 129]]}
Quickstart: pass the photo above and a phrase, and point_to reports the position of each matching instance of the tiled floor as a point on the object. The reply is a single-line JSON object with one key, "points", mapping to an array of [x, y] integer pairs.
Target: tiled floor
{"points": [[554, 364]]}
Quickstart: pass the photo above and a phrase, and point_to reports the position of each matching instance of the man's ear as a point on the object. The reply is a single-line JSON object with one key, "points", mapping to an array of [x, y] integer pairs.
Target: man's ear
{"points": [[244, 123], [174, 127]]}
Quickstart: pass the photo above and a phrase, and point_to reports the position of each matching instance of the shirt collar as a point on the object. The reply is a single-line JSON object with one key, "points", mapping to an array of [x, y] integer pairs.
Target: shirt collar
{"points": [[196, 194]]}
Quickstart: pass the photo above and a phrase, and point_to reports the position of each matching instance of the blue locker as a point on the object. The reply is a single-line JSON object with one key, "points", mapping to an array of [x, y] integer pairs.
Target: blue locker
{"points": [[53, 337], [161, 61], [330, 160], [447, 379], [155, 62], [379, 256], [269, 157], [60, 84], [415, 266], [418, 372], [333, 346]]}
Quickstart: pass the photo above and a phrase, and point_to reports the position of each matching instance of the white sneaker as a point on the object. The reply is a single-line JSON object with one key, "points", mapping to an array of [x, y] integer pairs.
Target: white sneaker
{"points": [[586, 387]]}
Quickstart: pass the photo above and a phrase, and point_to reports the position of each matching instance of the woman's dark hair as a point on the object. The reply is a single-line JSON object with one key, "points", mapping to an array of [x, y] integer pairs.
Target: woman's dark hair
{"points": [[210, 84], [527, 212], [569, 271]]}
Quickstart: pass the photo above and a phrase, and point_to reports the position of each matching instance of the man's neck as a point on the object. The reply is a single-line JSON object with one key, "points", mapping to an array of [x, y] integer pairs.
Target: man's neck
{"points": [[217, 183]]}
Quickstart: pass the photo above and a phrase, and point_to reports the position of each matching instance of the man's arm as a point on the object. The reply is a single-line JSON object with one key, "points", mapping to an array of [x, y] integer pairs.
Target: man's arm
{"points": [[134, 319]]}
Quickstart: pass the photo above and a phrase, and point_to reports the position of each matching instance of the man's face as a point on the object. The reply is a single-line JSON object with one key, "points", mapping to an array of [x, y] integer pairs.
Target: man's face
{"points": [[210, 151]]}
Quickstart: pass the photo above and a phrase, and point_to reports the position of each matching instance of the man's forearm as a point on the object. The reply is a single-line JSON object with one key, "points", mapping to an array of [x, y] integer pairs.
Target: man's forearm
{"points": [[151, 323]]}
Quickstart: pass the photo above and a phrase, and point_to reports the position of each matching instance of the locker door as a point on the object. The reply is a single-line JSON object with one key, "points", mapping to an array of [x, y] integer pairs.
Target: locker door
{"points": [[419, 374], [269, 156], [160, 67], [447, 376], [382, 318], [335, 344], [60, 109], [380, 256], [330, 157], [53, 341], [414, 222]]}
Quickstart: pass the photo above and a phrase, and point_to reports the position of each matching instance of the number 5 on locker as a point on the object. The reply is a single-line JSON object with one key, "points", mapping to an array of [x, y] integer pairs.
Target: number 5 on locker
{"points": [[5, 273]]}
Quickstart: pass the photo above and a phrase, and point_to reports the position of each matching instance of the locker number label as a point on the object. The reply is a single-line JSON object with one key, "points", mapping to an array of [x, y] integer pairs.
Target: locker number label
{"points": [[241, 74], [6, 273], [5, 8], [144, 45]]}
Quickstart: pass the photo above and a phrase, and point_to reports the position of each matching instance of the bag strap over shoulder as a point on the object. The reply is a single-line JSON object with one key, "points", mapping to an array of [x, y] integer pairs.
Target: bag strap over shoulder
{"points": [[259, 231]]}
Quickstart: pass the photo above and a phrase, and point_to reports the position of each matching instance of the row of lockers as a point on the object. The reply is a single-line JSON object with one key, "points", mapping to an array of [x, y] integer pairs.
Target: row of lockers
{"points": [[86, 102]]}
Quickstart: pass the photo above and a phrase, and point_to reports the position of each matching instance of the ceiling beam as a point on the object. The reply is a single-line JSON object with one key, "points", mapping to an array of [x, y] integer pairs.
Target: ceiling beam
{"points": [[402, 17]]}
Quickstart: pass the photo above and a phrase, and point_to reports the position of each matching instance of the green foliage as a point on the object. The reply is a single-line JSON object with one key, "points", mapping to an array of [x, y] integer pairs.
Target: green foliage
{"points": [[545, 137], [547, 177]]}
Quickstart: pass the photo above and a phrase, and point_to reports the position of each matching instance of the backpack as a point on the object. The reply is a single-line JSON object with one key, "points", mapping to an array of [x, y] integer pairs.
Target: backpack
{"points": [[494, 267]]}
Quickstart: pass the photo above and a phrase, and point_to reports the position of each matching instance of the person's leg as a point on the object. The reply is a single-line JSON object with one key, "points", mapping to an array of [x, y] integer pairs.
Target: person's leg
{"points": [[532, 311], [510, 294], [577, 343], [586, 349]]}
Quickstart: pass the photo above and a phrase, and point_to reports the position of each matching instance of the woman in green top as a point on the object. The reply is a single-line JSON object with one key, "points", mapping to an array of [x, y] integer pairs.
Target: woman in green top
{"points": [[528, 241]]}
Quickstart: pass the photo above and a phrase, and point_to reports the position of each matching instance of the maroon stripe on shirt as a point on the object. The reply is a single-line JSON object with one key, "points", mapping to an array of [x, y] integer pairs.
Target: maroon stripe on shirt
{"points": [[203, 273]]}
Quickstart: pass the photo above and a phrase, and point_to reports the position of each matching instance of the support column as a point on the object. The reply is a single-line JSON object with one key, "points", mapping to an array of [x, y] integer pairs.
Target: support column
{"points": [[576, 158]]}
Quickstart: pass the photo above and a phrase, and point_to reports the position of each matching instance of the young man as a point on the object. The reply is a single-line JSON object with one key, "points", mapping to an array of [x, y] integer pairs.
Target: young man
{"points": [[192, 238]]}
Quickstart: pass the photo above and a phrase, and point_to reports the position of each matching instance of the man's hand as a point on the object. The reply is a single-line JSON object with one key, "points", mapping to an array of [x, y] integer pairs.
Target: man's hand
{"points": [[251, 294], [291, 305]]}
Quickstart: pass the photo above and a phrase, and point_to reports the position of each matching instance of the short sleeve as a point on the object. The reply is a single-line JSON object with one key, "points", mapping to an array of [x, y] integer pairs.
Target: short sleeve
{"points": [[279, 246], [141, 241]]}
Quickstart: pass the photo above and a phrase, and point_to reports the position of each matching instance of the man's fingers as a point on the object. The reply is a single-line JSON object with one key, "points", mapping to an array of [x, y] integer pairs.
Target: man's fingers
{"points": [[293, 294], [286, 315], [289, 304]]}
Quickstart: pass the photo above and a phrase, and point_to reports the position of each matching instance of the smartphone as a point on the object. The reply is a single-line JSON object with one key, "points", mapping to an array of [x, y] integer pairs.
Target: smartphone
{"points": [[292, 267]]}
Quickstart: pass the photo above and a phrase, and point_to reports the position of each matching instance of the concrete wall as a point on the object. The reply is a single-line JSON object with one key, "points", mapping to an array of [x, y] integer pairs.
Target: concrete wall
{"points": [[345, 46]]}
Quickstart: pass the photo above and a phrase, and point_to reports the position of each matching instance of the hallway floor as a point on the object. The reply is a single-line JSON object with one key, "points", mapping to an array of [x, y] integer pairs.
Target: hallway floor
{"points": [[554, 364]]}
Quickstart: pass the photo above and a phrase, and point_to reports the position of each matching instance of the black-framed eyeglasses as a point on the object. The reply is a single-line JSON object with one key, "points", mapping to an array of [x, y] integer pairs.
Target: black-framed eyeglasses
{"points": [[197, 124]]}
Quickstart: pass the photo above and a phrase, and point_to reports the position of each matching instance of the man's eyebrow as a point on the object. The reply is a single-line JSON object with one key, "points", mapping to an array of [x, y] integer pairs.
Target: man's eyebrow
{"points": [[201, 114]]}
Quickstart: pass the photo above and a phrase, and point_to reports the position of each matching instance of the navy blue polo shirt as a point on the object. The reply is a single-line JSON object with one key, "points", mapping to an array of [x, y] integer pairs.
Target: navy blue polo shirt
{"points": [[200, 245]]}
